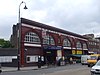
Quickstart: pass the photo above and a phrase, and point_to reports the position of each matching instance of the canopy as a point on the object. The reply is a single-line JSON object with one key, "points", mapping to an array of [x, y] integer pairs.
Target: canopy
{"points": [[76, 55]]}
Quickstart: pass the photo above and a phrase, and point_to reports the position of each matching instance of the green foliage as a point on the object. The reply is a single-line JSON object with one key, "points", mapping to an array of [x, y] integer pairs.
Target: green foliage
{"points": [[5, 44], [2, 41]]}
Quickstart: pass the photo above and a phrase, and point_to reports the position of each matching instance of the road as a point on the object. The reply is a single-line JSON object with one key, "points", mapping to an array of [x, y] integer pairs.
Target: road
{"points": [[76, 69], [79, 71]]}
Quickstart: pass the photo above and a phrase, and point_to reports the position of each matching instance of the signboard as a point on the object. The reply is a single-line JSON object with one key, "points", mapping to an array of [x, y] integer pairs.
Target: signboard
{"points": [[79, 51], [52, 47], [73, 52]]}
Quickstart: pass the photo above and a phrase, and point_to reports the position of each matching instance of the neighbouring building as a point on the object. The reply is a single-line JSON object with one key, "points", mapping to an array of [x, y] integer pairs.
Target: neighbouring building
{"points": [[51, 43], [93, 44], [8, 57]]}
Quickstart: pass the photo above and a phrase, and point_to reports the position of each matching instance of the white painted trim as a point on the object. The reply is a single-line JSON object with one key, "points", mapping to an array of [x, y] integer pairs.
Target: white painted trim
{"points": [[73, 48], [79, 48], [90, 52], [34, 27], [85, 49], [66, 47], [36, 45]]}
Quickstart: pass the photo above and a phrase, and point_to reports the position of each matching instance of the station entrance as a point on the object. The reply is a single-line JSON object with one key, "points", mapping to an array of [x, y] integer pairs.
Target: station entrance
{"points": [[67, 55], [50, 56]]}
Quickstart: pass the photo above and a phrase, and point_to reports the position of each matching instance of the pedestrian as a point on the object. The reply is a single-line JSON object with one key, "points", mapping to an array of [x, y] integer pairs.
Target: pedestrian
{"points": [[47, 62], [71, 60], [39, 62]]}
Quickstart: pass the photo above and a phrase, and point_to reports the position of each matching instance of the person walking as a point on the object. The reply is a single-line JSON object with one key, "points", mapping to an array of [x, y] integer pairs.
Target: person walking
{"points": [[71, 60], [39, 61]]}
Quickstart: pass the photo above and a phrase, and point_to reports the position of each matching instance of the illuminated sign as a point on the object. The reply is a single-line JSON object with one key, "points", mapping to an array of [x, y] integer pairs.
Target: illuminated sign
{"points": [[79, 51], [73, 52]]}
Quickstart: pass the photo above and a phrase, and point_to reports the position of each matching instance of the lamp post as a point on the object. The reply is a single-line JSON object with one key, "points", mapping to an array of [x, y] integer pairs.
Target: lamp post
{"points": [[19, 34]]}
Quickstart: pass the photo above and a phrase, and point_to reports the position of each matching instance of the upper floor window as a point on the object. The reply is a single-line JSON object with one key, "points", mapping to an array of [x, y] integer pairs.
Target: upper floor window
{"points": [[58, 40], [32, 38], [66, 42], [48, 40], [84, 46], [78, 45]]}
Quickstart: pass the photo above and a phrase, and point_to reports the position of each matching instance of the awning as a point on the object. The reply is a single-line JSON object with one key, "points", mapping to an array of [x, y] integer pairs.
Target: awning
{"points": [[76, 55]]}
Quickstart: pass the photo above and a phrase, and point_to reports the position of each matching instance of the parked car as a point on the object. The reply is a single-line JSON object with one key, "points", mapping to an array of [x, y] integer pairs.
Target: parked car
{"points": [[96, 69]]}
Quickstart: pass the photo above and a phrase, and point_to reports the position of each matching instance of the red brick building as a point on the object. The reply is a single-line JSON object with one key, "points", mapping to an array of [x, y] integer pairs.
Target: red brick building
{"points": [[49, 42], [93, 44]]}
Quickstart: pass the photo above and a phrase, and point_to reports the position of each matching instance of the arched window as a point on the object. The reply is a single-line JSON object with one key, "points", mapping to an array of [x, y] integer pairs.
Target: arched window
{"points": [[66, 42], [78, 44], [32, 38], [84, 46], [48, 40], [58, 40]]}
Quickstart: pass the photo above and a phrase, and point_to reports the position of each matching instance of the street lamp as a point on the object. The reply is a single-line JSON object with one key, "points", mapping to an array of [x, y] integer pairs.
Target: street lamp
{"points": [[19, 10], [19, 35]]}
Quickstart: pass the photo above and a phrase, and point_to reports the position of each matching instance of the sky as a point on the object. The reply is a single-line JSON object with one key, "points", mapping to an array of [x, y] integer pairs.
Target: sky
{"points": [[77, 16]]}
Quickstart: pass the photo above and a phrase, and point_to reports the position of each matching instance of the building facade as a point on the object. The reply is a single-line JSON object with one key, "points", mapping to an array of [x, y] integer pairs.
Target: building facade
{"points": [[93, 44], [8, 57], [49, 42]]}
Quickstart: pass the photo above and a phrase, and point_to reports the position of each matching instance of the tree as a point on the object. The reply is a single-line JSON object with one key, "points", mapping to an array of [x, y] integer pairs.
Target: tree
{"points": [[1, 42], [5, 44]]}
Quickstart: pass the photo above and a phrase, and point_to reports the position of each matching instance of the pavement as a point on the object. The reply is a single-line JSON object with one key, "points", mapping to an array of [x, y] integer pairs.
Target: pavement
{"points": [[9, 69]]}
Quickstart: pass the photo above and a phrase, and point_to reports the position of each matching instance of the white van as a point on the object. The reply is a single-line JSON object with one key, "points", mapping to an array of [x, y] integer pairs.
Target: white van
{"points": [[84, 59]]}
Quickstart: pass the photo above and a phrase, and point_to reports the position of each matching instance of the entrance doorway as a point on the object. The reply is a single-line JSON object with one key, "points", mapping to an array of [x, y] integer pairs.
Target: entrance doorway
{"points": [[67, 55], [50, 56]]}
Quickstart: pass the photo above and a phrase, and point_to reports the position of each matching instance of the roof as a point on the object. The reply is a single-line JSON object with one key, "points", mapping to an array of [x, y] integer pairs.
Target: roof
{"points": [[30, 22], [8, 51]]}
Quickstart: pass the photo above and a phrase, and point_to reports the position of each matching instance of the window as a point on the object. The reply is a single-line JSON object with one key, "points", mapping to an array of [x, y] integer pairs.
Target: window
{"points": [[78, 45], [30, 58], [32, 37], [49, 40], [84, 46], [58, 40], [66, 42]]}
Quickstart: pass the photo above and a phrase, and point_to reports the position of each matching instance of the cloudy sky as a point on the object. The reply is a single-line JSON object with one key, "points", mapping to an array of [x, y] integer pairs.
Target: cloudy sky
{"points": [[78, 16]]}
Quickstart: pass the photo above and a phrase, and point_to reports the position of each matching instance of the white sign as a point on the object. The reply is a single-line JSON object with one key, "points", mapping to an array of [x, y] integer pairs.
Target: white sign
{"points": [[32, 58], [59, 53]]}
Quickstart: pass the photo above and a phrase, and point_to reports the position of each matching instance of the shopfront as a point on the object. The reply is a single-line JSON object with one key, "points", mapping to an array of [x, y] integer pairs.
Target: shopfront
{"points": [[52, 53], [67, 53]]}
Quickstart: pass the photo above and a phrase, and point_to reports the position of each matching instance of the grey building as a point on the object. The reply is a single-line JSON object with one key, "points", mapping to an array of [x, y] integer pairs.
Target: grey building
{"points": [[8, 56]]}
